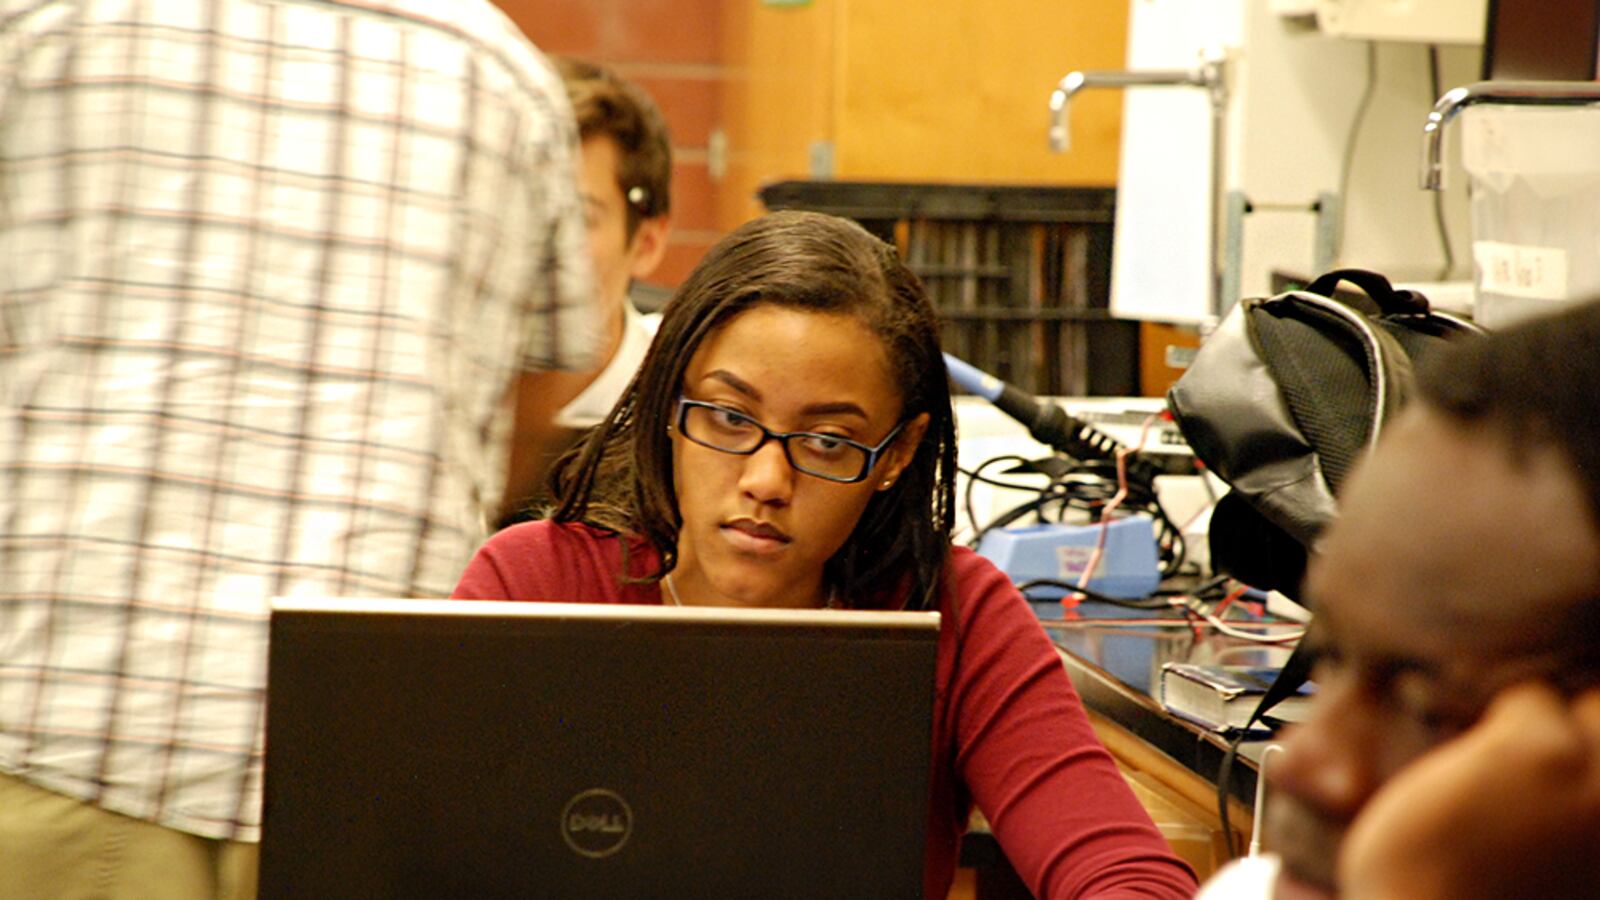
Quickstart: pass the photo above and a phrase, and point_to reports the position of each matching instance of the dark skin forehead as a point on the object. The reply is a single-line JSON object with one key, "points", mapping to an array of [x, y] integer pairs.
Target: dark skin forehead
{"points": [[1458, 554]]}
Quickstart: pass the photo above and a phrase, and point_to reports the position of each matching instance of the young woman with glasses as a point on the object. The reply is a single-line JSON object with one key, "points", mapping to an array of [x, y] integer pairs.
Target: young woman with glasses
{"points": [[789, 442]]}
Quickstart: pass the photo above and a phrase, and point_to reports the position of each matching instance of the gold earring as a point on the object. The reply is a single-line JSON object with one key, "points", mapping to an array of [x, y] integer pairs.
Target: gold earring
{"points": [[887, 483]]}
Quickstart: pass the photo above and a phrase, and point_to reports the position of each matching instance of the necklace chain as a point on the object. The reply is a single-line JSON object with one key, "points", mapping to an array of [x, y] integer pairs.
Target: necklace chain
{"points": [[672, 593]]}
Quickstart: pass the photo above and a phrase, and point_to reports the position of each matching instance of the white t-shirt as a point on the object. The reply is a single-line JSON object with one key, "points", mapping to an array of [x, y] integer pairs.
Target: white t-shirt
{"points": [[590, 407], [1246, 878]]}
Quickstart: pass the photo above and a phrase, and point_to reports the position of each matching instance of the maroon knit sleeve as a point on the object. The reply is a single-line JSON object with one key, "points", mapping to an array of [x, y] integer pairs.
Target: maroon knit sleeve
{"points": [[1059, 807], [560, 562]]}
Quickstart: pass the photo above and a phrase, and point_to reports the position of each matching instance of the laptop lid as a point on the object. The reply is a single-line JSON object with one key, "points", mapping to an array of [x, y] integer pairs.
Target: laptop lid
{"points": [[419, 748]]}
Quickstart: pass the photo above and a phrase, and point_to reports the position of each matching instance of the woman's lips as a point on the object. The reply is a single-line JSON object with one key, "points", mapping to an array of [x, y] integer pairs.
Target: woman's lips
{"points": [[755, 537]]}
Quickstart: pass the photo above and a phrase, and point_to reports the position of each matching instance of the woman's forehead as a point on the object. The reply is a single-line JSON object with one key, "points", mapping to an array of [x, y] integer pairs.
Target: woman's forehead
{"points": [[786, 354]]}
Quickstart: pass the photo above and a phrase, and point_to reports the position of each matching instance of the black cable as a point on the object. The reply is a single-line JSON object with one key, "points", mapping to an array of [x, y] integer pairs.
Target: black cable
{"points": [[1026, 586], [1224, 777], [1295, 672], [1017, 512], [975, 476], [1438, 196], [1172, 559], [1086, 486], [1216, 584], [1347, 162], [1059, 488]]}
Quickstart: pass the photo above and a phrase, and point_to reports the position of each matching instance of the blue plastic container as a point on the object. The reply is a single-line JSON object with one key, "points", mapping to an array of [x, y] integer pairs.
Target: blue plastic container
{"points": [[1128, 566]]}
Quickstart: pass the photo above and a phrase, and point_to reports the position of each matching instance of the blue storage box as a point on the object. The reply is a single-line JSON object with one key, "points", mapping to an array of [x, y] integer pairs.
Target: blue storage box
{"points": [[1128, 566]]}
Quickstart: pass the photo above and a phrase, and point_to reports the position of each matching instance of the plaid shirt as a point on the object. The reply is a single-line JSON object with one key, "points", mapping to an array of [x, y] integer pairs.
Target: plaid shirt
{"points": [[267, 273]]}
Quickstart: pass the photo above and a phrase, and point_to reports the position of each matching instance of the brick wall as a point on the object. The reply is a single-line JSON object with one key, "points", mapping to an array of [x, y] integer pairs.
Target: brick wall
{"points": [[670, 48]]}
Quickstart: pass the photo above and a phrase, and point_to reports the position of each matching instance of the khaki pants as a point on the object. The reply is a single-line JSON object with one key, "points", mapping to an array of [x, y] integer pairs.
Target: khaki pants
{"points": [[52, 846]]}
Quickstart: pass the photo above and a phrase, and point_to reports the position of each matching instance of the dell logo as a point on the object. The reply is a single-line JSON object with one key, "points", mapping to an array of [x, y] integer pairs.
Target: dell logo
{"points": [[596, 823]]}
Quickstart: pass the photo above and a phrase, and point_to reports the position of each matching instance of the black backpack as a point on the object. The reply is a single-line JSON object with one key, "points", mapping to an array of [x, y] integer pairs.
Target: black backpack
{"points": [[1283, 399]]}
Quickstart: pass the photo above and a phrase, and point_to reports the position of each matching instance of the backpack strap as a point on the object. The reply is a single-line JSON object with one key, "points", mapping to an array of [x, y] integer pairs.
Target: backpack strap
{"points": [[1390, 302], [1295, 673]]}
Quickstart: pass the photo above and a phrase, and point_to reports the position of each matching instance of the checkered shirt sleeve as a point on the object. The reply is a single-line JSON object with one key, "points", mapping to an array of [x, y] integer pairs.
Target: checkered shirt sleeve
{"points": [[267, 272]]}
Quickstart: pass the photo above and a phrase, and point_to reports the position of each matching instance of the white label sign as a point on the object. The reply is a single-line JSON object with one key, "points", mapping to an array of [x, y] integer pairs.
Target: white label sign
{"points": [[1515, 270]]}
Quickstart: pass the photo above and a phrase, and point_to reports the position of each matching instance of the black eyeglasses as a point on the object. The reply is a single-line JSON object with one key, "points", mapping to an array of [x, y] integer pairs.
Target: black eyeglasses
{"points": [[826, 456]]}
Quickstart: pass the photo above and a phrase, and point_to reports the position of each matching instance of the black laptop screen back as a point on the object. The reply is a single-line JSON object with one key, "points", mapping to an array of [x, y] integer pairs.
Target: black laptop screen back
{"points": [[648, 753]]}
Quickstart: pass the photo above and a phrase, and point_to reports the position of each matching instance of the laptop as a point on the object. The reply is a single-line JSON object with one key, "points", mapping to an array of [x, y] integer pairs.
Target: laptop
{"points": [[448, 748]]}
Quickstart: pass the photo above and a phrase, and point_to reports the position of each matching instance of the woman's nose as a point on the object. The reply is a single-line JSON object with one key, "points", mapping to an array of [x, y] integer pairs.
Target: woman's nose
{"points": [[768, 477]]}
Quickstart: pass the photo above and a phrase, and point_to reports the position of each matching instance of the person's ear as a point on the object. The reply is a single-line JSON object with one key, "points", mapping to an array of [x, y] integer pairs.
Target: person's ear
{"points": [[901, 452], [648, 246]]}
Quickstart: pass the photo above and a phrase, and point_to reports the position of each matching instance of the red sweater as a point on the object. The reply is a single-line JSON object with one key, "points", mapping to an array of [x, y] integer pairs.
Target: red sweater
{"points": [[1009, 732]]}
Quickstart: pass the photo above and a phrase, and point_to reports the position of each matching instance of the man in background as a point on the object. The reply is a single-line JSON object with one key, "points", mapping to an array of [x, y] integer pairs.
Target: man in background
{"points": [[278, 279], [1454, 744], [627, 195]]}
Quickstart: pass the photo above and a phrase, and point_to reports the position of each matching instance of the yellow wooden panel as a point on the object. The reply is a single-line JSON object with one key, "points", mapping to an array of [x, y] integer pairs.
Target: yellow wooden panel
{"points": [[937, 91], [958, 91], [777, 98], [1196, 837]]}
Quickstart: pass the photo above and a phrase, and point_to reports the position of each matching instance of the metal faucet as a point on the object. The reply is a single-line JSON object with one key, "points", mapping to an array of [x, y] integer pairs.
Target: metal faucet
{"points": [[1210, 74], [1506, 93]]}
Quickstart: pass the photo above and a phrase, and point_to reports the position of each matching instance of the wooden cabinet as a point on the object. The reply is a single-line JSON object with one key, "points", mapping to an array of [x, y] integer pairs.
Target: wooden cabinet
{"points": [[1183, 805], [888, 90]]}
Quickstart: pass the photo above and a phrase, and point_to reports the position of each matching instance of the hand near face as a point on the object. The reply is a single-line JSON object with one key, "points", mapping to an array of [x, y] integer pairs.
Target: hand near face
{"points": [[1510, 808]]}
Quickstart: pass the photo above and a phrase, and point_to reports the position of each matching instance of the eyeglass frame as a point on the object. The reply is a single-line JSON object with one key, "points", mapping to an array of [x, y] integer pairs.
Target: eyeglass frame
{"points": [[783, 437]]}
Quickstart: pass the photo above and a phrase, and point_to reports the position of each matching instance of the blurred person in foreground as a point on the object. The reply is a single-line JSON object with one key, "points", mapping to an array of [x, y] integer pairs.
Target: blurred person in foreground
{"points": [[278, 279], [1454, 746], [627, 195]]}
